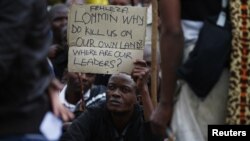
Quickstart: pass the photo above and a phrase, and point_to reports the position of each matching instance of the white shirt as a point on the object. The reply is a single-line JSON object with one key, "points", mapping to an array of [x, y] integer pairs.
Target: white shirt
{"points": [[63, 100]]}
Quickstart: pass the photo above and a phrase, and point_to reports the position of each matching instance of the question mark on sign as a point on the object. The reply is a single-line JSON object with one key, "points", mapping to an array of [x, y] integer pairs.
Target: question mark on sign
{"points": [[119, 60]]}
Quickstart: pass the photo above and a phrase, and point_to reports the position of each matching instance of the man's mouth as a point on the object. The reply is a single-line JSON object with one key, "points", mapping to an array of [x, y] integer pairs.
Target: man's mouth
{"points": [[114, 102]]}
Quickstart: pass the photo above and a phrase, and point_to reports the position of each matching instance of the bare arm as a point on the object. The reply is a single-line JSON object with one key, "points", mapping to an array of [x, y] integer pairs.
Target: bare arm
{"points": [[58, 109], [171, 46], [141, 73]]}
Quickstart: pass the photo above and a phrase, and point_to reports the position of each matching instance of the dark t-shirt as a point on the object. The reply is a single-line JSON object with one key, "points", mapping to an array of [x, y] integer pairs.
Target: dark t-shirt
{"points": [[96, 125], [197, 10]]}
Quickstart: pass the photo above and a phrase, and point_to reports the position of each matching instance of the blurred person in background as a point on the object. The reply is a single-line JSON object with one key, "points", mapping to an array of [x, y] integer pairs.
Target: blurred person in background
{"points": [[80, 90], [27, 90], [181, 23], [58, 52]]}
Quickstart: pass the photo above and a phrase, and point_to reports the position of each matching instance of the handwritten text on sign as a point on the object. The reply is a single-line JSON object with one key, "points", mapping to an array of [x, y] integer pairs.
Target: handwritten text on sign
{"points": [[105, 60], [107, 27]]}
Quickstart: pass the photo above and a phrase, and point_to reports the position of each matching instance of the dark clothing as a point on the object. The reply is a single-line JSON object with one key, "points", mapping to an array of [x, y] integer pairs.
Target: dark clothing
{"points": [[197, 10], [211, 51], [96, 125], [102, 79], [60, 62], [24, 71]]}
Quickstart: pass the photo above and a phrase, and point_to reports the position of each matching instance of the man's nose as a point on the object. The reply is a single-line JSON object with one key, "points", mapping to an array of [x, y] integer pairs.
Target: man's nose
{"points": [[64, 22], [116, 93]]}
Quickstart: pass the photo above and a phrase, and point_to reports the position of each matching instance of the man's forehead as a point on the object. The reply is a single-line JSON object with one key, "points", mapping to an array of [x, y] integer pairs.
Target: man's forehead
{"points": [[61, 13], [59, 9], [125, 78]]}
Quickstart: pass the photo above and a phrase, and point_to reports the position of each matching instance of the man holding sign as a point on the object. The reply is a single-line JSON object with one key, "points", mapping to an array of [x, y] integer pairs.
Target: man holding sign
{"points": [[121, 118]]}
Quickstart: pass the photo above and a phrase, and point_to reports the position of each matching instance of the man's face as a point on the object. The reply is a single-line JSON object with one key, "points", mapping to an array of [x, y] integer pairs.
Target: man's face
{"points": [[76, 79], [59, 20], [121, 93]]}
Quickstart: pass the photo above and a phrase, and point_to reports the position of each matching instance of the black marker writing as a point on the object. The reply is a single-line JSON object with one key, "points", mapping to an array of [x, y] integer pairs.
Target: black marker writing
{"points": [[90, 18], [89, 31], [84, 52], [95, 62], [109, 9], [134, 19]]}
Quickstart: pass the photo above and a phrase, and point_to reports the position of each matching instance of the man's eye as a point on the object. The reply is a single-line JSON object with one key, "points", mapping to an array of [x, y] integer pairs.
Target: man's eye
{"points": [[125, 89], [111, 87]]}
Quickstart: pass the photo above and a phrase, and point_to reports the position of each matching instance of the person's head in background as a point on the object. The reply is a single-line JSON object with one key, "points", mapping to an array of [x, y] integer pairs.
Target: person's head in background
{"points": [[80, 81], [70, 2], [77, 85], [147, 56], [58, 16]]}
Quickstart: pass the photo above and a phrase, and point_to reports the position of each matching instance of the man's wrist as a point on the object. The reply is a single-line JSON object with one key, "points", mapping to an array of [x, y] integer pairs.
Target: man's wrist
{"points": [[166, 103], [144, 90]]}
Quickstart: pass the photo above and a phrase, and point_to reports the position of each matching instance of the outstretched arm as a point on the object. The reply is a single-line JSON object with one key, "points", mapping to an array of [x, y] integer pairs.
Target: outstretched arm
{"points": [[58, 109], [140, 74], [171, 45]]}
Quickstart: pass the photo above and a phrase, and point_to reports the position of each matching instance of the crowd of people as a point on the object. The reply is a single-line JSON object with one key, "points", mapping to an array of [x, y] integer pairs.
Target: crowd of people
{"points": [[96, 107]]}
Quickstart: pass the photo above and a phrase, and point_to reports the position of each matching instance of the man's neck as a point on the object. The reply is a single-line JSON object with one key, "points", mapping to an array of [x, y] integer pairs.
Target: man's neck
{"points": [[121, 120]]}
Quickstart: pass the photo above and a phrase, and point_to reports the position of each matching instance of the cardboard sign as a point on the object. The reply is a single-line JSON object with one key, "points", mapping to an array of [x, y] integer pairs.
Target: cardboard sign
{"points": [[102, 29]]}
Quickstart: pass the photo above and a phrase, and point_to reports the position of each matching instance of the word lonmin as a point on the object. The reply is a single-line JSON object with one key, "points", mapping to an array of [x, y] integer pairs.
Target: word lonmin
{"points": [[90, 18]]}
